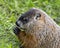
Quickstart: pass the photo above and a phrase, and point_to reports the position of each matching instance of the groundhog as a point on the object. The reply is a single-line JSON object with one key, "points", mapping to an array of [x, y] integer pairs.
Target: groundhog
{"points": [[35, 29]]}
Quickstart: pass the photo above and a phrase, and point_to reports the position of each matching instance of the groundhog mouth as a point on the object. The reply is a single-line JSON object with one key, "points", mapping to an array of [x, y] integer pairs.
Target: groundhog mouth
{"points": [[17, 30], [21, 29]]}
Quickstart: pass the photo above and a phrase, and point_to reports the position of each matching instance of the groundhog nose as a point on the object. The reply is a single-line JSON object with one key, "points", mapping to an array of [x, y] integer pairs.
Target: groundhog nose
{"points": [[16, 30], [17, 23]]}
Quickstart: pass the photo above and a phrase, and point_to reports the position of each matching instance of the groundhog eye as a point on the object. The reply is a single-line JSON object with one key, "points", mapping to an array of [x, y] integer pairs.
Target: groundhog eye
{"points": [[38, 16]]}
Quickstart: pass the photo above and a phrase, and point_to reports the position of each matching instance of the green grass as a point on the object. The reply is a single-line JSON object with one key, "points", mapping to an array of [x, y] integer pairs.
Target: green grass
{"points": [[10, 11]]}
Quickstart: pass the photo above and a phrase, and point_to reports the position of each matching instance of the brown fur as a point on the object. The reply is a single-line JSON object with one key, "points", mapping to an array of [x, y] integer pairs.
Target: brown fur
{"points": [[42, 33]]}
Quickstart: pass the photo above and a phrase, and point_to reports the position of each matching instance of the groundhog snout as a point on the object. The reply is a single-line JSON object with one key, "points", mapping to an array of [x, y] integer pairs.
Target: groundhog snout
{"points": [[22, 21], [19, 24]]}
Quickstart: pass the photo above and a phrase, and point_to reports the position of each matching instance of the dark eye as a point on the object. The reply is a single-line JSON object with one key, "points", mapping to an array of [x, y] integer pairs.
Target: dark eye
{"points": [[38, 16]]}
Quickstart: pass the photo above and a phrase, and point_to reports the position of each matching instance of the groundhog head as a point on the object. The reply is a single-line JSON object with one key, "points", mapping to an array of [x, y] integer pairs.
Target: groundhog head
{"points": [[31, 20], [31, 25]]}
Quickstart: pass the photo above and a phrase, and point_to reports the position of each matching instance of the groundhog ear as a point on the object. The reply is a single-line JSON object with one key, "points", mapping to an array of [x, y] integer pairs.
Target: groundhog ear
{"points": [[38, 16]]}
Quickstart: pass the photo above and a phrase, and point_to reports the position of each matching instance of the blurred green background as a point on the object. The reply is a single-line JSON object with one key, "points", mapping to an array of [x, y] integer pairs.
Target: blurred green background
{"points": [[10, 11]]}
